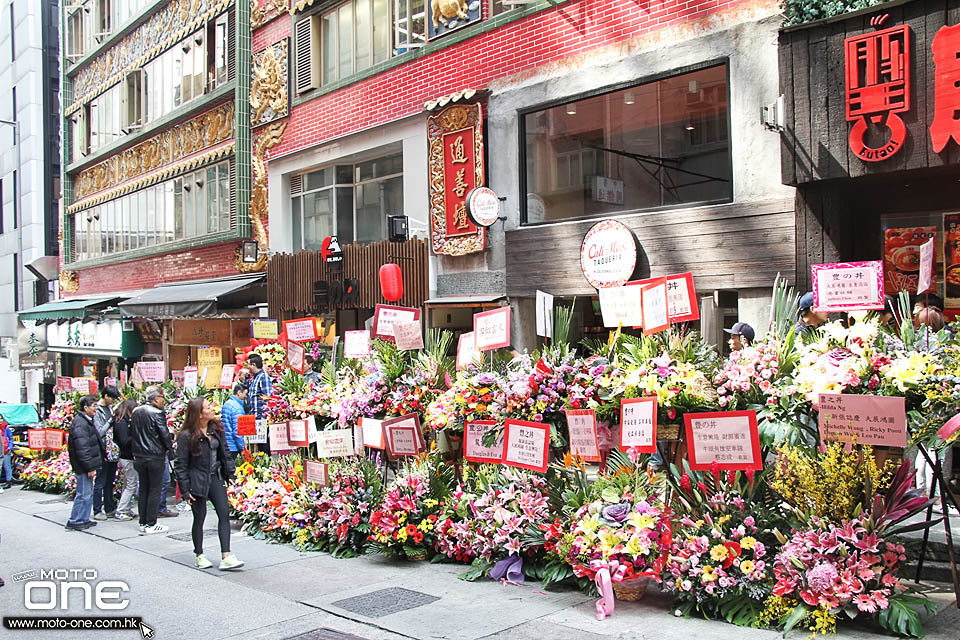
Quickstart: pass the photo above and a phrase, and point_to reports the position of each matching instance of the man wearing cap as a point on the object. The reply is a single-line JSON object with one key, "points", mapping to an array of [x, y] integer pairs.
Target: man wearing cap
{"points": [[808, 318], [741, 335]]}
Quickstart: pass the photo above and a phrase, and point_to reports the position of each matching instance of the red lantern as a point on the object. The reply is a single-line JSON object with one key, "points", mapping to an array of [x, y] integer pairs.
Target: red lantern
{"points": [[391, 282]]}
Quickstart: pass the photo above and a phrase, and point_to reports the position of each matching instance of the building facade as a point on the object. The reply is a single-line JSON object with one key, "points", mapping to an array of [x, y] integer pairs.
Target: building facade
{"points": [[572, 112], [29, 184]]}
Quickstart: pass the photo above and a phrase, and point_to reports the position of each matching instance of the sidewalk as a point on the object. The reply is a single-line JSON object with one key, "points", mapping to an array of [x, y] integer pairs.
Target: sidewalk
{"points": [[282, 593]]}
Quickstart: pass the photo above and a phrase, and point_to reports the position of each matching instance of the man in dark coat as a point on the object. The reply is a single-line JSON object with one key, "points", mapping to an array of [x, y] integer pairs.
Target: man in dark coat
{"points": [[86, 458]]}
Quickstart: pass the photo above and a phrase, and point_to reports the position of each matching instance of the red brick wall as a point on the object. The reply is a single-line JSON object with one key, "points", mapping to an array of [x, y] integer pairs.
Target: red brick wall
{"points": [[516, 49], [195, 264]]}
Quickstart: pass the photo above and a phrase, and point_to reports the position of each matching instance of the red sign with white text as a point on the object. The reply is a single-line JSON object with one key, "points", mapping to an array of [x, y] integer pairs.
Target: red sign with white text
{"points": [[729, 438], [301, 330], [526, 445]]}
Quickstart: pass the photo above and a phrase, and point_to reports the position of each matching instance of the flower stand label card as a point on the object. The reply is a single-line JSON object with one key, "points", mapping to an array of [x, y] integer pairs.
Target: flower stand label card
{"points": [[682, 298], [402, 436], [300, 330], [151, 370], [316, 472], [54, 439], [526, 445], [385, 316], [729, 438], [336, 443], [297, 433], [582, 426], [227, 374], [872, 420], [356, 344], [491, 329], [191, 376], [473, 448], [638, 424], [466, 350], [620, 306], [656, 308], [847, 286], [246, 425], [372, 433], [408, 335], [264, 329], [278, 439], [296, 357], [260, 437], [37, 438]]}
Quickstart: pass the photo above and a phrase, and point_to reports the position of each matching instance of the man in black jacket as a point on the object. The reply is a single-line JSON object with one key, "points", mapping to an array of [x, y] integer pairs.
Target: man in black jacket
{"points": [[151, 444], [86, 458]]}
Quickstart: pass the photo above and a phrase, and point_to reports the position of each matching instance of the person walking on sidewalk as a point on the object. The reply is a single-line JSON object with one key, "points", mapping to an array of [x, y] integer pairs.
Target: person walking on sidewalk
{"points": [[123, 436], [259, 386], [103, 487], [6, 451], [233, 408], [151, 443], [85, 449], [203, 466]]}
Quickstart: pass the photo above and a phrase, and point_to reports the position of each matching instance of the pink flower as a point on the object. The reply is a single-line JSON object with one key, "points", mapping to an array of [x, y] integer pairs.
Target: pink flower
{"points": [[822, 576], [865, 603]]}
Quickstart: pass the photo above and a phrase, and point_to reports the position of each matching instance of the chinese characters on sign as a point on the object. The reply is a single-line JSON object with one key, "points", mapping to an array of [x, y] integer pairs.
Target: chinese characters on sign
{"points": [[491, 329], [211, 360], [656, 309], [316, 472], [297, 433], [385, 316], [455, 139], [946, 96], [227, 374], [278, 439], [620, 306], [336, 443], [302, 330], [402, 435], [264, 329], [151, 370], [878, 88], [847, 286], [729, 438], [473, 448], [466, 350], [638, 424], [246, 425], [525, 445], [296, 356], [409, 335], [582, 426], [872, 420], [356, 344]]}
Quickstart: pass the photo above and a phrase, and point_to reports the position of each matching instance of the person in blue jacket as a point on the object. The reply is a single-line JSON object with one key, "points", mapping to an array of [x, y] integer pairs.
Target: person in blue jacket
{"points": [[233, 408]]}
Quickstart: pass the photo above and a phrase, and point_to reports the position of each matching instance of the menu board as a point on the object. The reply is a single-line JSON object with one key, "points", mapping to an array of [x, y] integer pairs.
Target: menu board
{"points": [[901, 256], [951, 258]]}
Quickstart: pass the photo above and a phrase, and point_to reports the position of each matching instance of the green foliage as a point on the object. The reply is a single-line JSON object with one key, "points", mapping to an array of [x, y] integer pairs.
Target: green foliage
{"points": [[903, 615], [783, 310], [801, 11]]}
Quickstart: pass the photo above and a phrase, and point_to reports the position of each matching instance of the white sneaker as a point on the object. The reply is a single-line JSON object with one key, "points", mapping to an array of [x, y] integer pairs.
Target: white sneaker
{"points": [[230, 562], [157, 528], [141, 528], [203, 563]]}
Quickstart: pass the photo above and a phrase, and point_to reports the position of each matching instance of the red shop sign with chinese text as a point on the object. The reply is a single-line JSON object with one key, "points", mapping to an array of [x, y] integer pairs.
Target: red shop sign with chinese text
{"points": [[455, 138], [946, 96], [877, 88]]}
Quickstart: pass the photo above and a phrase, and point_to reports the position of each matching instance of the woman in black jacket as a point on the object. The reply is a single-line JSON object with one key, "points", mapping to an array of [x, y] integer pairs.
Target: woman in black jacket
{"points": [[86, 452], [204, 465], [123, 436]]}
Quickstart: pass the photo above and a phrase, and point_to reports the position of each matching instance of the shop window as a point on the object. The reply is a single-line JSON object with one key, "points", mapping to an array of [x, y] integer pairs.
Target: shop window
{"points": [[663, 143], [409, 24], [75, 40], [102, 15], [132, 101], [219, 38]]}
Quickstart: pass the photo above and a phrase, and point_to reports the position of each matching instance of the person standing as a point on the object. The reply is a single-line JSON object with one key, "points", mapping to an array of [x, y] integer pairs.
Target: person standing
{"points": [[312, 376], [233, 408], [123, 436], [85, 449], [808, 319], [741, 335], [103, 487], [6, 450], [259, 386], [151, 444], [203, 466]]}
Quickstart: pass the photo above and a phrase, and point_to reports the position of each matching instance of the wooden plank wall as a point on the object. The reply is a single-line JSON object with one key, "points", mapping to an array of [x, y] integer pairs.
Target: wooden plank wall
{"points": [[814, 143], [291, 277], [728, 246]]}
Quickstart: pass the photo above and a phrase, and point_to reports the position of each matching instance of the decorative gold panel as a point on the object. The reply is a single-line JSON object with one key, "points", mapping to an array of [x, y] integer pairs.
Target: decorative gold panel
{"points": [[268, 91]]}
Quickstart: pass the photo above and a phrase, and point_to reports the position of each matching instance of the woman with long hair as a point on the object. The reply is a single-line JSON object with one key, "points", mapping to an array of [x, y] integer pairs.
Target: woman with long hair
{"points": [[204, 466], [123, 436]]}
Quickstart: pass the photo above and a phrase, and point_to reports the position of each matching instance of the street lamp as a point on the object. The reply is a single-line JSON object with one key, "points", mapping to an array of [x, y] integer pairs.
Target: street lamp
{"points": [[19, 208]]}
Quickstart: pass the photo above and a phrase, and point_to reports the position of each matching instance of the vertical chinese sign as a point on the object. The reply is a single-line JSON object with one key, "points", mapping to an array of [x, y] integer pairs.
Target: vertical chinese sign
{"points": [[946, 97], [455, 138], [877, 88]]}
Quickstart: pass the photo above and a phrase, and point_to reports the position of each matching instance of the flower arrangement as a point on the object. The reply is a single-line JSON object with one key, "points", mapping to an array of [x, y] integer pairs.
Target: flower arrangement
{"points": [[748, 376], [678, 386], [63, 410], [52, 475], [474, 395]]}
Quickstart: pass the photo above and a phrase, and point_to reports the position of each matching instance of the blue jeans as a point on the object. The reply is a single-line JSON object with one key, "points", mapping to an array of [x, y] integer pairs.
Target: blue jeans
{"points": [[164, 487], [7, 470], [83, 503]]}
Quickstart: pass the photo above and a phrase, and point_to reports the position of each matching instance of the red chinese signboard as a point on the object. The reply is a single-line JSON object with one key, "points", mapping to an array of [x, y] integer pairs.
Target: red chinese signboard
{"points": [[946, 95], [878, 88], [455, 137]]}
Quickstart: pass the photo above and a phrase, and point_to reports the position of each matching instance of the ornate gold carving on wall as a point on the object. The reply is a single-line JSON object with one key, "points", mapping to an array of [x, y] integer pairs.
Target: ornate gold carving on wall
{"points": [[69, 281], [300, 5], [263, 11], [163, 29], [269, 137], [165, 148], [268, 91]]}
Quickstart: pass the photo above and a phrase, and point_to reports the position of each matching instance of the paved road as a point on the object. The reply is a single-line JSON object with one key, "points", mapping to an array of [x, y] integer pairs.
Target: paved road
{"points": [[282, 593]]}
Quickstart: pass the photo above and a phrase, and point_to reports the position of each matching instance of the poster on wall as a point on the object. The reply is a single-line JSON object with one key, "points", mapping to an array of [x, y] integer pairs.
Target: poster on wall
{"points": [[901, 256], [951, 258]]}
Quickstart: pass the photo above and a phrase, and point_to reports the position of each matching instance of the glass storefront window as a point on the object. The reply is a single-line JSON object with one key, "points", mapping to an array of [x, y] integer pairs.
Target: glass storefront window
{"points": [[658, 144]]}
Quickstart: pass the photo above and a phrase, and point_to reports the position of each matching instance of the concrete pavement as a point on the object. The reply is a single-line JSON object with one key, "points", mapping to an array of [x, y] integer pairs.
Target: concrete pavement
{"points": [[282, 593]]}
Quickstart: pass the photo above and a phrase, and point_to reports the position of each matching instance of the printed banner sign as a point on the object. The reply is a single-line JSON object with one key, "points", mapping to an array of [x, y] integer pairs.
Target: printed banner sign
{"points": [[729, 438], [385, 316], [356, 344], [872, 420], [246, 425], [336, 443], [466, 350], [297, 434], [152, 370], [473, 448], [491, 329], [408, 335], [278, 439], [847, 286], [372, 433], [296, 357], [301, 330], [316, 472], [402, 435], [227, 374], [582, 426], [638, 424], [264, 329], [656, 309], [526, 445], [620, 307]]}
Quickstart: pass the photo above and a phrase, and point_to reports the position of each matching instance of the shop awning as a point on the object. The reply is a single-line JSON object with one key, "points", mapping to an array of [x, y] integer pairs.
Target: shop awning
{"points": [[65, 309], [485, 300], [196, 298]]}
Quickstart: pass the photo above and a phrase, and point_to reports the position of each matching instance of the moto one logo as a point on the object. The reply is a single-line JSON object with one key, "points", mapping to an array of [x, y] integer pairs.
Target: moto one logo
{"points": [[55, 586]]}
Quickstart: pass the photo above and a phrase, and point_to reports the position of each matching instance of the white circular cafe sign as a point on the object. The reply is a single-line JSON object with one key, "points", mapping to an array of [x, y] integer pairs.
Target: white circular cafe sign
{"points": [[608, 254], [483, 206]]}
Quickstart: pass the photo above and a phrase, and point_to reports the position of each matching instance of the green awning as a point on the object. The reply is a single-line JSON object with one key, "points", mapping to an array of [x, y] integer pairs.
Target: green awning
{"points": [[64, 309]]}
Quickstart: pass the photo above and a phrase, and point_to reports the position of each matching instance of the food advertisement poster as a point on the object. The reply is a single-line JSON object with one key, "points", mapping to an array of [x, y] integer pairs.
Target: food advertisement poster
{"points": [[951, 258], [901, 256]]}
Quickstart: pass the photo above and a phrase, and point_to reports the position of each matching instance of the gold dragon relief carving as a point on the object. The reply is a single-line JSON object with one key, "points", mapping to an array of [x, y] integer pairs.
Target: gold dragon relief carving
{"points": [[174, 144], [268, 89], [263, 11], [69, 281], [270, 136]]}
